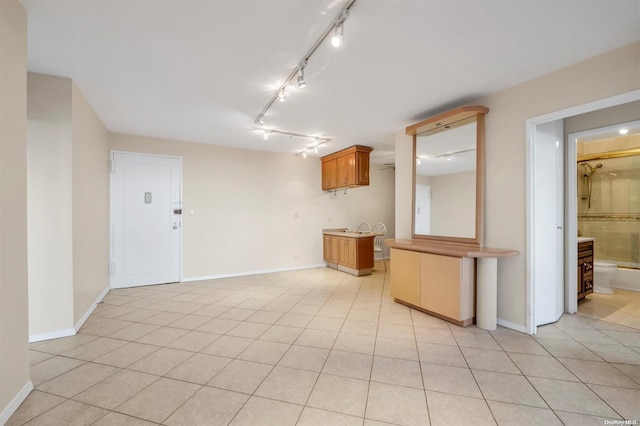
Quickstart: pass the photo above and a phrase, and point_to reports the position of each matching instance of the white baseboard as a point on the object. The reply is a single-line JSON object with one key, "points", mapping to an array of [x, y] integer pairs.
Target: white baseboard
{"points": [[15, 402], [66, 332], [56, 334], [242, 274], [512, 325], [92, 308]]}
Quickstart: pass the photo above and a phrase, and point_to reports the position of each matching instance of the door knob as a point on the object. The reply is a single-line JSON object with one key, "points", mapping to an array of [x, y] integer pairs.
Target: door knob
{"points": [[175, 226], [558, 227]]}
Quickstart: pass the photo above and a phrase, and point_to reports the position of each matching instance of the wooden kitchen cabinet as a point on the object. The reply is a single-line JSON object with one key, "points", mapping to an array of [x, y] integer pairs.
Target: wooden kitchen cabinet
{"points": [[329, 174], [349, 252], [347, 168]]}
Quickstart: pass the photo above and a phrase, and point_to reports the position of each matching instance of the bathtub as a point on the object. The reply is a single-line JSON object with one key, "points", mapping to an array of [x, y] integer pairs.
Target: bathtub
{"points": [[627, 279]]}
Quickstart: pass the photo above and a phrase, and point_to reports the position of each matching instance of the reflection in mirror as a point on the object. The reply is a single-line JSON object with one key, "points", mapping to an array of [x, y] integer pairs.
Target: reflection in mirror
{"points": [[445, 182], [448, 174], [445, 197]]}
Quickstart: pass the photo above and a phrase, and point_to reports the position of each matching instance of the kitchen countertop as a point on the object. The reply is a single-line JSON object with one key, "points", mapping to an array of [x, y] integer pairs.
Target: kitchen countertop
{"points": [[344, 232]]}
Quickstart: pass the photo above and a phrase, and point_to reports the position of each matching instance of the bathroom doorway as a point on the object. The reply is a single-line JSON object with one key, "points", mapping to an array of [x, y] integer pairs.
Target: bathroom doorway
{"points": [[537, 259], [607, 207]]}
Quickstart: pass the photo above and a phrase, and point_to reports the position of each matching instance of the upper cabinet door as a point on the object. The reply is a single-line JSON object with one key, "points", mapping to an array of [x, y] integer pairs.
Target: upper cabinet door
{"points": [[329, 175], [362, 168]]}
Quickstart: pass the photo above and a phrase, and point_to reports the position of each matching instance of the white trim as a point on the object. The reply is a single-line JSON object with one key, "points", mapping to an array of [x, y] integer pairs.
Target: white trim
{"points": [[66, 332], [512, 325], [15, 402], [92, 308], [263, 271], [530, 140], [56, 334]]}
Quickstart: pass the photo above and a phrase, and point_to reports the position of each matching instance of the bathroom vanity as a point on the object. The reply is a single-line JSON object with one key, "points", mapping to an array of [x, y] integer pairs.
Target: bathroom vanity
{"points": [[444, 269], [350, 252], [585, 266]]}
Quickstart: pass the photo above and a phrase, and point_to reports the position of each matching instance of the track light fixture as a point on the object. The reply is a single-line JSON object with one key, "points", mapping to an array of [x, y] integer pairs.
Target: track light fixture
{"points": [[338, 36], [297, 75], [338, 30], [301, 82]]}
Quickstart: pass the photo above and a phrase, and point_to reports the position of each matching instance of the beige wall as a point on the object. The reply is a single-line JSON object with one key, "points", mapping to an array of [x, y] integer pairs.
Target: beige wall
{"points": [[245, 204], [68, 206], [14, 350], [49, 214], [610, 74], [90, 189]]}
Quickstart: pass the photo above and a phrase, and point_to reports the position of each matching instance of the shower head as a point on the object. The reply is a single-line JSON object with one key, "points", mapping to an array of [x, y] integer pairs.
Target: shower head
{"points": [[592, 169]]}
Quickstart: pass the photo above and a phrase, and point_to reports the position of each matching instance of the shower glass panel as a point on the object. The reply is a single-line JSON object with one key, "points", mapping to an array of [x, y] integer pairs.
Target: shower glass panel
{"points": [[609, 208]]}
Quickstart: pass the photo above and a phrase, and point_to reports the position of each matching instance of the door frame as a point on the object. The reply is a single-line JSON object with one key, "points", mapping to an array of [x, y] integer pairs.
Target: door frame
{"points": [[570, 229], [180, 236]]}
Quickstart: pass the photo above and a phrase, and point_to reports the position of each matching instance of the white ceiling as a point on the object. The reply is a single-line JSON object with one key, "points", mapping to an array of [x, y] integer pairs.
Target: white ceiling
{"points": [[201, 70]]}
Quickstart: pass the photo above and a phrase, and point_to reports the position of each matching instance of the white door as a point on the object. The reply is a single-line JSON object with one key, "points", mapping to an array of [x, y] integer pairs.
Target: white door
{"points": [[145, 219], [423, 209], [548, 229]]}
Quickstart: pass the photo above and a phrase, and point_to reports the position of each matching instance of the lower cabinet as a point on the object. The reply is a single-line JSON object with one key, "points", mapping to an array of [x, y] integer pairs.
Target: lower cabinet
{"points": [[349, 254], [443, 286], [585, 269]]}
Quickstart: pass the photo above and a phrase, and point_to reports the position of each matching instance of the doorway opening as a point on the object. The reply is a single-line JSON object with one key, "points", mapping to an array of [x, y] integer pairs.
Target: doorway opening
{"points": [[541, 207]]}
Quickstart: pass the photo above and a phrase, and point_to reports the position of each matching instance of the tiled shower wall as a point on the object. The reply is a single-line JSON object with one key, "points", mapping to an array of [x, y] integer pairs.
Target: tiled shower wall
{"points": [[613, 217]]}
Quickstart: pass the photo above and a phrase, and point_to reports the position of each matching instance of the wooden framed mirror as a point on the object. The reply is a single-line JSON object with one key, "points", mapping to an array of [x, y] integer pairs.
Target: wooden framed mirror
{"points": [[448, 177]]}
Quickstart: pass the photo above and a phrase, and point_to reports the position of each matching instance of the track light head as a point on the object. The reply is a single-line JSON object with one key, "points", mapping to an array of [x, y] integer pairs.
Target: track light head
{"points": [[260, 120], [301, 82], [338, 36]]}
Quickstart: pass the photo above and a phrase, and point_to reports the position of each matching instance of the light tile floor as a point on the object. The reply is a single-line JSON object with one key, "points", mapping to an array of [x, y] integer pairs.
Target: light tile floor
{"points": [[622, 307], [320, 347]]}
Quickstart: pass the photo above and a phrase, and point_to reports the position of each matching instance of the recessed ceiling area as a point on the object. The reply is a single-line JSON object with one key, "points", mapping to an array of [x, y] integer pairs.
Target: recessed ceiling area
{"points": [[201, 71]]}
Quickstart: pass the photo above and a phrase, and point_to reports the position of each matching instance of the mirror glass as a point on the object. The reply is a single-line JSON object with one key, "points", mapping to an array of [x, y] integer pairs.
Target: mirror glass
{"points": [[445, 181]]}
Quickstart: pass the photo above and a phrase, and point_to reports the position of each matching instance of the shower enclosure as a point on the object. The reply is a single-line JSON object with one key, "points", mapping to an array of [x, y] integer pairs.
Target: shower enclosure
{"points": [[609, 206]]}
